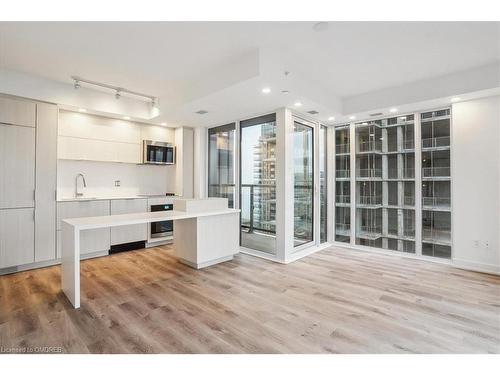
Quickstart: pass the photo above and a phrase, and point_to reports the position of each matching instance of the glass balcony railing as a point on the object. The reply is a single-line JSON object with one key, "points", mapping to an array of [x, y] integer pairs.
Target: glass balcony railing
{"points": [[436, 202], [343, 199], [369, 199], [436, 142], [408, 232], [408, 144], [368, 231], [369, 173], [342, 148], [406, 173], [370, 146], [436, 172], [409, 200], [343, 229], [436, 235], [222, 191], [258, 208], [343, 173]]}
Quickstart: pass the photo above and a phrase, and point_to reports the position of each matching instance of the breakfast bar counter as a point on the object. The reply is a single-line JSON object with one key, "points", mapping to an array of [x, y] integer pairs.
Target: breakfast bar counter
{"points": [[206, 232]]}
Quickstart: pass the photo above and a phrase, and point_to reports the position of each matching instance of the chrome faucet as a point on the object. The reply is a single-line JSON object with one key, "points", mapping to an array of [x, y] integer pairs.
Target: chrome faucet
{"points": [[78, 194]]}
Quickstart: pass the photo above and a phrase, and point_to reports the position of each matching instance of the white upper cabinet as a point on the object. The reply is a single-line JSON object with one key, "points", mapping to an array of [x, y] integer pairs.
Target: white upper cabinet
{"points": [[17, 112], [157, 133], [17, 166], [88, 137]]}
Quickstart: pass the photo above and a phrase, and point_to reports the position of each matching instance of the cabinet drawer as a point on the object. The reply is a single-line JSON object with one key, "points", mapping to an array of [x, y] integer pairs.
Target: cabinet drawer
{"points": [[17, 112], [17, 237]]}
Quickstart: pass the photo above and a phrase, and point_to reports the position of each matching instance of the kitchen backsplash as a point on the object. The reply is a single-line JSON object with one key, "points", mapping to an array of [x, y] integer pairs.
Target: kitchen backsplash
{"points": [[101, 176]]}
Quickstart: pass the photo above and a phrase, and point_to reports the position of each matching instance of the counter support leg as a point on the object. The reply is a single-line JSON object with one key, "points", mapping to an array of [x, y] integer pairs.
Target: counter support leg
{"points": [[70, 263]]}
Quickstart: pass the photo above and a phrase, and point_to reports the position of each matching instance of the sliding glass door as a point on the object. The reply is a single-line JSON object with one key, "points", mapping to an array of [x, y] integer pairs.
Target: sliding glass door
{"points": [[303, 168], [221, 162], [258, 183]]}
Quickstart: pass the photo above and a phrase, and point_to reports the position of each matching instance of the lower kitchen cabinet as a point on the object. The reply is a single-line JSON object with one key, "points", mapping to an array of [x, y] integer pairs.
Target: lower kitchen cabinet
{"points": [[129, 233], [17, 237], [93, 240]]}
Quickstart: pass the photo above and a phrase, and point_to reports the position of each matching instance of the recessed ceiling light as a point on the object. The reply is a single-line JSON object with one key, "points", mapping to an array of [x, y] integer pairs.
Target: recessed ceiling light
{"points": [[82, 110], [331, 118], [298, 104], [455, 99], [126, 117], [286, 92], [352, 117], [392, 110], [163, 124], [266, 90]]}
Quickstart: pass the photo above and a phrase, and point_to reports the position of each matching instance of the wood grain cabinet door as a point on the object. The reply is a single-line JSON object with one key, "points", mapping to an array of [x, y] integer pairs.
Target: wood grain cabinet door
{"points": [[17, 237], [17, 166]]}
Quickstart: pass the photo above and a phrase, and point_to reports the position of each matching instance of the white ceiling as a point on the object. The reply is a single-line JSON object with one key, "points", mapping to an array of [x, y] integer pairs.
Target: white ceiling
{"points": [[222, 66]]}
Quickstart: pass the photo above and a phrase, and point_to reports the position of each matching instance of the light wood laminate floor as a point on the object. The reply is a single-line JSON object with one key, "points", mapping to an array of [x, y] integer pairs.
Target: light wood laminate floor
{"points": [[335, 301]]}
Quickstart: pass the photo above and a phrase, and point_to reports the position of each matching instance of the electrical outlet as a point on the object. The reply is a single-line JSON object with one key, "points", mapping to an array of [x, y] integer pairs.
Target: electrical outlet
{"points": [[117, 183], [486, 245], [476, 243]]}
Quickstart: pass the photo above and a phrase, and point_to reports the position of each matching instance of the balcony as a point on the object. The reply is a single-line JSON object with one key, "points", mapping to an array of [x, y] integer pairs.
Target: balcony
{"points": [[222, 191], [342, 148], [436, 142], [343, 173], [370, 146], [431, 172], [344, 199], [369, 232], [408, 200], [369, 173], [343, 229], [369, 200], [436, 202], [408, 144], [436, 235]]}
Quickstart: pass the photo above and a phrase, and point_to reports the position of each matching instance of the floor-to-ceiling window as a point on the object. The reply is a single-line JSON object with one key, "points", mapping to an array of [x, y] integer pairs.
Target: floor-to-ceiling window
{"points": [[436, 183], [303, 183], [323, 187], [385, 183], [221, 161], [258, 183], [342, 184]]}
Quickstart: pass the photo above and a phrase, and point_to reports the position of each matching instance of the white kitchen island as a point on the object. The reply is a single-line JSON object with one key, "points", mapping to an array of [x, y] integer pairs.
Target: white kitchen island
{"points": [[206, 232]]}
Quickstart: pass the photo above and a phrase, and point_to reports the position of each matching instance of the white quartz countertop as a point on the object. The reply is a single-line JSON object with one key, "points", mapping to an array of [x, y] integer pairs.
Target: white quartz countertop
{"points": [[107, 198], [95, 222]]}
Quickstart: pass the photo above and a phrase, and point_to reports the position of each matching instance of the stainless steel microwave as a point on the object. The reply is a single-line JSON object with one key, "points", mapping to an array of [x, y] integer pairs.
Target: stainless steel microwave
{"points": [[158, 152]]}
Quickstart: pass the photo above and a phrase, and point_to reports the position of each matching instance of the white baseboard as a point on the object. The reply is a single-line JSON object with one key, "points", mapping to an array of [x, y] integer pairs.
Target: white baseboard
{"points": [[307, 251], [205, 264], [476, 266]]}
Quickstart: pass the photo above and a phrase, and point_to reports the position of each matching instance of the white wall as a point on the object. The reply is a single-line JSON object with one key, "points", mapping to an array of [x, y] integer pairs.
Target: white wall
{"points": [[476, 184]]}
